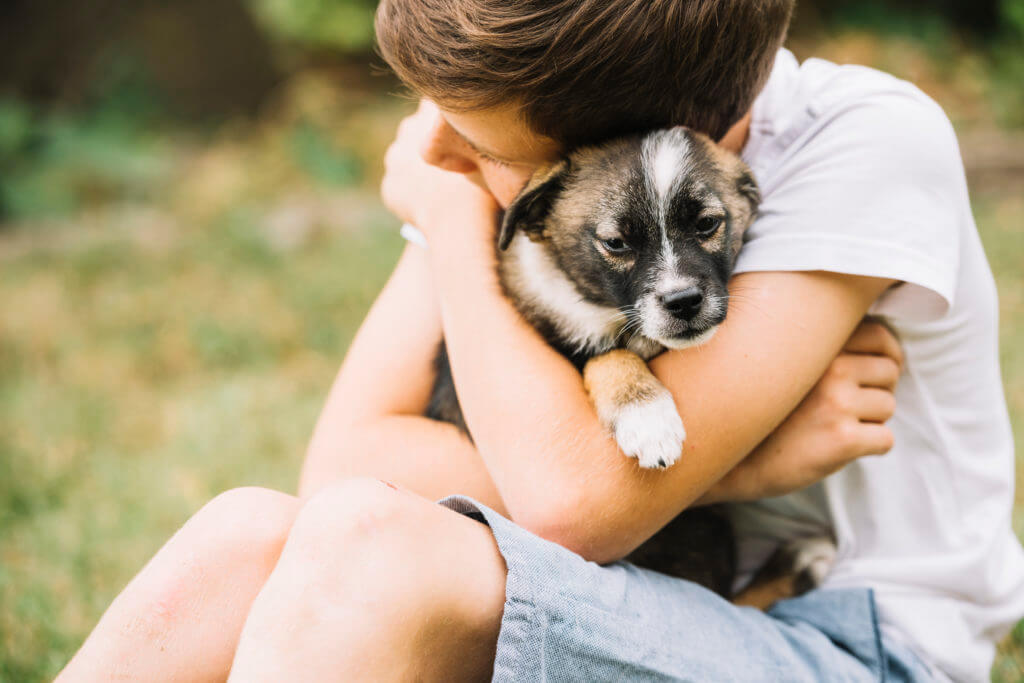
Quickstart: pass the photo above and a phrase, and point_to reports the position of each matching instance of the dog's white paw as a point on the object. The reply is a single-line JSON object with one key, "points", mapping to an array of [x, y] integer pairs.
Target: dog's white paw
{"points": [[651, 431], [812, 559]]}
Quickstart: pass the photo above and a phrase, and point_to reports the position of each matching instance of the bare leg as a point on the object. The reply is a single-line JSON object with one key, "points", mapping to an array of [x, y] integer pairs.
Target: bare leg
{"points": [[377, 584], [179, 619]]}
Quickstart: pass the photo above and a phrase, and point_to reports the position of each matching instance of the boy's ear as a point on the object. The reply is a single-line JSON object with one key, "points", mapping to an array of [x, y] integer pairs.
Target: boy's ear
{"points": [[531, 206]]}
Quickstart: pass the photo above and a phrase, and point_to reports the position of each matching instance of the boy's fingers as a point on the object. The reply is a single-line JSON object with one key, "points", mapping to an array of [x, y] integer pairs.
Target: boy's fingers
{"points": [[874, 439], [881, 372], [874, 338], [875, 405]]}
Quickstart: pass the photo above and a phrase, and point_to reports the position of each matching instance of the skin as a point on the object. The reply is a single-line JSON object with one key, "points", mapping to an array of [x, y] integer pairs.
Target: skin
{"points": [[354, 580]]}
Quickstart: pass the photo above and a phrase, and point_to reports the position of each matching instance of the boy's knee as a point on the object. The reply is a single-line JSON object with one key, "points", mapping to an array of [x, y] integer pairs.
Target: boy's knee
{"points": [[244, 523], [374, 534], [356, 540], [234, 538], [363, 542], [351, 515]]}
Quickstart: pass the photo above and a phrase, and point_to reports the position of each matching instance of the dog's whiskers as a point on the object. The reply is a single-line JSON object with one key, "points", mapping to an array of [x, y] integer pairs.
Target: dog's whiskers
{"points": [[633, 319], [739, 301], [633, 325], [634, 335]]}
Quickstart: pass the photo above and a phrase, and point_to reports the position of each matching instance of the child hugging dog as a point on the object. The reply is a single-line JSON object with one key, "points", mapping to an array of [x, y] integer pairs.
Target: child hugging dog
{"points": [[518, 575]]}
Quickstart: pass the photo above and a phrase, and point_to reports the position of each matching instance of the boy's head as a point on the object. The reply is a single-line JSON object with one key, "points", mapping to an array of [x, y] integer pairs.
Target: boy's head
{"points": [[582, 71]]}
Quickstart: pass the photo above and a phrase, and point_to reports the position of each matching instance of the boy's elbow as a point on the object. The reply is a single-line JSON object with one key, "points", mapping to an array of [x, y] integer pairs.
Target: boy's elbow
{"points": [[567, 523]]}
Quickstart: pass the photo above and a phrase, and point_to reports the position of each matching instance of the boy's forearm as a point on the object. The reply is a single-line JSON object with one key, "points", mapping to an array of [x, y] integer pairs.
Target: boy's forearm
{"points": [[507, 377], [430, 458], [841, 419], [739, 485]]}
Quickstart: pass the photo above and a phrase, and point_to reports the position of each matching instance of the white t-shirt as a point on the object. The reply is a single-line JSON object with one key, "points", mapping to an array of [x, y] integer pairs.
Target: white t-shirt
{"points": [[861, 174]]}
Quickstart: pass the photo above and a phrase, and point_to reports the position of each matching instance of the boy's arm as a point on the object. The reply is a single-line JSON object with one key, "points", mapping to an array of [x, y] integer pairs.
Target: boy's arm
{"points": [[842, 418], [558, 471], [372, 423]]}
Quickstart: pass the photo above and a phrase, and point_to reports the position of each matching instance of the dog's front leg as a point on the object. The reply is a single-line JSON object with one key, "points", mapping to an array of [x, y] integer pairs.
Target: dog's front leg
{"points": [[635, 407]]}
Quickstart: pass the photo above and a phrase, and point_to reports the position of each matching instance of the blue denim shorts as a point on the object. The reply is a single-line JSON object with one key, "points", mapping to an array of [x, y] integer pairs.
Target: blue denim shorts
{"points": [[567, 619]]}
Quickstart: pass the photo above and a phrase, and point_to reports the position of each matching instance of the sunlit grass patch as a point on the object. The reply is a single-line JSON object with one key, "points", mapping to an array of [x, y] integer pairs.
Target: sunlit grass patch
{"points": [[138, 383], [1000, 220]]}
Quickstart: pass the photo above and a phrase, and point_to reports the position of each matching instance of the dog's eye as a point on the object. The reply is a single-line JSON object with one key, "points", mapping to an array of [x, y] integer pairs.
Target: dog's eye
{"points": [[615, 245], [708, 226]]}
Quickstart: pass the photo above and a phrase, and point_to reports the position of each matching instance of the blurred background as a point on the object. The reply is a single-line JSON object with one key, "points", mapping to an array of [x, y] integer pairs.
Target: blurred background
{"points": [[190, 234]]}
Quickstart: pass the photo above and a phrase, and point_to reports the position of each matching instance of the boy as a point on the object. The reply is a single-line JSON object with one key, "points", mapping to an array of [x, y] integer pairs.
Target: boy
{"points": [[865, 210]]}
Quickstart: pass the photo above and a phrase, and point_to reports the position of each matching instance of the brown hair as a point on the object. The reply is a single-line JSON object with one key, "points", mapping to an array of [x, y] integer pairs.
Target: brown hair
{"points": [[586, 70]]}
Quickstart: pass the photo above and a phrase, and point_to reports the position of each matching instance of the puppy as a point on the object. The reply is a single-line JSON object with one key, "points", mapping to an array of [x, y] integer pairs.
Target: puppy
{"points": [[615, 254]]}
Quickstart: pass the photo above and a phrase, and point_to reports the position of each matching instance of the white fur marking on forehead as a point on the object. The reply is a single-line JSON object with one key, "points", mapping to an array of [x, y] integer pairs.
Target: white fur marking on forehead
{"points": [[666, 159], [666, 156], [665, 169], [587, 326]]}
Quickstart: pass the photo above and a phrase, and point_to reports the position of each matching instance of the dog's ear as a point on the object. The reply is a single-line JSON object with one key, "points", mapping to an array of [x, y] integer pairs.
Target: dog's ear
{"points": [[748, 189], [531, 205]]}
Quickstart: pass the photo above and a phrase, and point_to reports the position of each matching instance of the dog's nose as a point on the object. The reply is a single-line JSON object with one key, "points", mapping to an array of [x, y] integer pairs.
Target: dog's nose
{"points": [[684, 304]]}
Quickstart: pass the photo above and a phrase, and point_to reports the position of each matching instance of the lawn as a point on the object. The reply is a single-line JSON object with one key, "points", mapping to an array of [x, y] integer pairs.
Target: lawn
{"points": [[173, 334]]}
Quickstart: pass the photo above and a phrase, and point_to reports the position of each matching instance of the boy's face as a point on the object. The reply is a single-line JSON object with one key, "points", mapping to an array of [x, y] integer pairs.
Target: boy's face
{"points": [[494, 148], [498, 151]]}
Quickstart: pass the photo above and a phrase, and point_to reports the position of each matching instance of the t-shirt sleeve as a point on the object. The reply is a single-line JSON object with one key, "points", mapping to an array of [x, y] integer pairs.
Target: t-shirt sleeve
{"points": [[875, 188]]}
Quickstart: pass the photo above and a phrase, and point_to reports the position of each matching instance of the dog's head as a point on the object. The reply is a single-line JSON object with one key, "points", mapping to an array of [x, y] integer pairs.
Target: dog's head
{"points": [[648, 225]]}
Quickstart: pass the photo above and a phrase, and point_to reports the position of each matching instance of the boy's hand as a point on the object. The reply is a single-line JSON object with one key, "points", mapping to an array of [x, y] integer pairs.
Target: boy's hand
{"points": [[841, 420], [418, 192]]}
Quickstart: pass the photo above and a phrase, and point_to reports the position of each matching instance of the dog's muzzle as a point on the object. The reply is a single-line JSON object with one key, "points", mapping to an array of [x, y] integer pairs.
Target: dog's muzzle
{"points": [[683, 304]]}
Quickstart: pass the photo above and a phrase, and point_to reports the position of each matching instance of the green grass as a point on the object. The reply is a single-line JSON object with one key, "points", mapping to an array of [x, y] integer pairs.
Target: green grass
{"points": [[173, 307], [1000, 221], [135, 385]]}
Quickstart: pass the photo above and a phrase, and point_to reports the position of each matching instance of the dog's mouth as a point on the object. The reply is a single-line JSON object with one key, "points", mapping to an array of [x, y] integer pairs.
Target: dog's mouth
{"points": [[695, 336], [673, 332]]}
